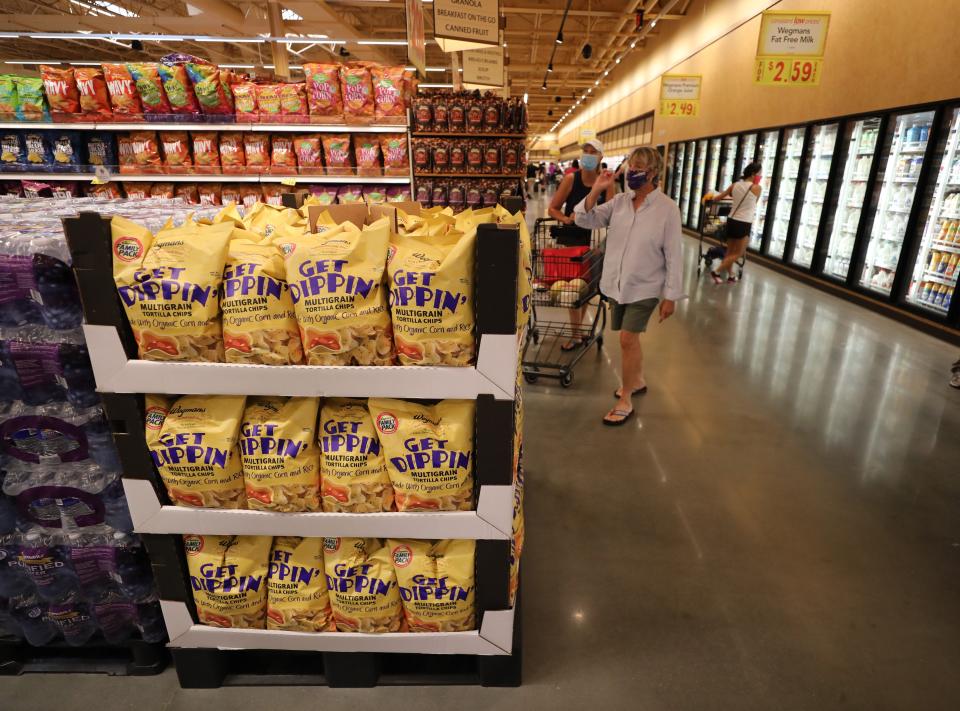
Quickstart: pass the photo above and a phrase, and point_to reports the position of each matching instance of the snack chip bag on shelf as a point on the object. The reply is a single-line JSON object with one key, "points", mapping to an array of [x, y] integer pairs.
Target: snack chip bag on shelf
{"points": [[268, 103], [176, 150], [137, 191], [293, 103], [363, 585], [146, 77], [273, 194], [256, 146], [250, 195], [374, 195], [259, 326], [428, 450], [187, 192], [31, 99], [336, 148], [9, 99], [323, 90], [245, 101], [212, 94], [232, 157], [297, 596], [193, 443], [308, 153], [436, 580], [281, 460], [108, 191], [366, 148], [431, 295], [228, 576], [336, 281], [398, 193], [125, 157], [325, 194], [162, 190], [230, 194], [353, 475], [94, 99], [357, 88], [61, 89], [170, 287], [38, 153], [177, 87], [206, 157], [282, 158], [350, 195], [146, 152], [388, 92], [396, 154], [209, 193], [124, 99], [100, 150], [67, 147]]}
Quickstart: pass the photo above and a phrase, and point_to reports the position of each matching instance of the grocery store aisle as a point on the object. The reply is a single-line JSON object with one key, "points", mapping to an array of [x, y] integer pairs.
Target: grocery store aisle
{"points": [[778, 528]]}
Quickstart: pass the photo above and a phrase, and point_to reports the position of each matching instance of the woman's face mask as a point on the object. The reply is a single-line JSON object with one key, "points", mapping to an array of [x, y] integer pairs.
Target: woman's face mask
{"points": [[589, 161], [636, 179]]}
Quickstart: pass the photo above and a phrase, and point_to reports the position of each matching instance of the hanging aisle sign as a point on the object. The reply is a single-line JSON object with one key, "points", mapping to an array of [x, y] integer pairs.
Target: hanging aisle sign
{"points": [[680, 95], [466, 24], [416, 49], [790, 48], [483, 67]]}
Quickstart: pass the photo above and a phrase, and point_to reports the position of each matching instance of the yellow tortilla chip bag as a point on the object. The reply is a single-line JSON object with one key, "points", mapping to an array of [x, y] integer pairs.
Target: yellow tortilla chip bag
{"points": [[228, 575], [363, 585], [193, 443], [428, 451], [264, 219], [297, 595], [431, 296], [353, 474], [170, 287], [281, 467], [436, 584], [335, 279], [259, 325]]}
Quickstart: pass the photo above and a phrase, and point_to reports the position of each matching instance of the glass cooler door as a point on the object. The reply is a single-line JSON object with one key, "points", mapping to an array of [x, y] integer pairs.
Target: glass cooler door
{"points": [[823, 144], [768, 159], [698, 172], [729, 163], [678, 173], [786, 190], [685, 187], [713, 166]]}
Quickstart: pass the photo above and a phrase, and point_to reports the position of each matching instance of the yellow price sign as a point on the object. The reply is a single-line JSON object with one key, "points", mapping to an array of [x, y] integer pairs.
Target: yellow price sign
{"points": [[97, 180], [679, 107], [788, 71], [288, 181]]}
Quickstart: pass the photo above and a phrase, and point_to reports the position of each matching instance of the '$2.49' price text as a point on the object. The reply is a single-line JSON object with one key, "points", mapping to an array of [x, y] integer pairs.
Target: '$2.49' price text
{"points": [[670, 107]]}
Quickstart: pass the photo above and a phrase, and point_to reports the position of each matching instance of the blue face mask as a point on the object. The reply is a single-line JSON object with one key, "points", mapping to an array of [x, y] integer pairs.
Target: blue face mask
{"points": [[636, 179], [589, 161]]}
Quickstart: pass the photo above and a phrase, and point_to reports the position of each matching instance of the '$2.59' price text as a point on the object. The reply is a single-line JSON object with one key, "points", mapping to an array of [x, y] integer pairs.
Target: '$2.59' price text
{"points": [[801, 72]]}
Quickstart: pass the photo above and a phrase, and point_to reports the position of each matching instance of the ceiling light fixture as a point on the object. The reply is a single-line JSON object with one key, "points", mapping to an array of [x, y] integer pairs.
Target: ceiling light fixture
{"points": [[385, 43], [436, 86], [596, 83], [550, 67], [544, 86], [618, 60], [560, 37], [633, 44], [653, 24], [526, 97]]}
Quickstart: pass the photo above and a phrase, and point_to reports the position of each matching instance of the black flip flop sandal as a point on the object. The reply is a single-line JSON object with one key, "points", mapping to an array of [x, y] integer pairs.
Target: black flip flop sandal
{"points": [[618, 423], [638, 391], [567, 347]]}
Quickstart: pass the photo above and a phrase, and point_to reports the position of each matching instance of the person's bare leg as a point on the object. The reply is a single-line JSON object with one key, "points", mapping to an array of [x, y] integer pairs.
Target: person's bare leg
{"points": [[576, 321], [631, 372]]}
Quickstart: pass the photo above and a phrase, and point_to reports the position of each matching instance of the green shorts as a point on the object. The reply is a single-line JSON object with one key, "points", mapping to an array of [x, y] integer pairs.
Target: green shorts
{"points": [[631, 317]]}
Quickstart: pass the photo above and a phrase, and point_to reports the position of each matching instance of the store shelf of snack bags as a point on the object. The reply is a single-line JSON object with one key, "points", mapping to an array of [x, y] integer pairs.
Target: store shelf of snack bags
{"points": [[353, 659]]}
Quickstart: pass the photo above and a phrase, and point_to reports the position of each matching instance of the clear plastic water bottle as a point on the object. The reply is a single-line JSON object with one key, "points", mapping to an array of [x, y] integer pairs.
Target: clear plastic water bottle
{"points": [[47, 561], [151, 625], [133, 569], [14, 580], [30, 613], [74, 619]]}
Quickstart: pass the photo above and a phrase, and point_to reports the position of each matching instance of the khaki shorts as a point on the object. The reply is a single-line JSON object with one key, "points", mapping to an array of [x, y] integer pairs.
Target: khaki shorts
{"points": [[631, 317]]}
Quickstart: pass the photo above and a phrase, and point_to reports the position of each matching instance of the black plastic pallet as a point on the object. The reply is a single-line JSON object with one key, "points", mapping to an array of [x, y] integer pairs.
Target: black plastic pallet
{"points": [[135, 658]]}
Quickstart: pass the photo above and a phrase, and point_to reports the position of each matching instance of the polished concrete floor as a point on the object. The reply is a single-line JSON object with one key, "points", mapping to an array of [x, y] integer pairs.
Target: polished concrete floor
{"points": [[778, 528]]}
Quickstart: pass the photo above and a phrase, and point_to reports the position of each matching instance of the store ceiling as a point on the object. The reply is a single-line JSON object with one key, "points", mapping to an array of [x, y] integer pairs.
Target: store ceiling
{"points": [[530, 33]]}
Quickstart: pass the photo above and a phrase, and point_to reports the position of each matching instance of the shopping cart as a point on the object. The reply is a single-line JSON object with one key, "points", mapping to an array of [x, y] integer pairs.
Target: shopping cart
{"points": [[713, 219], [563, 278]]}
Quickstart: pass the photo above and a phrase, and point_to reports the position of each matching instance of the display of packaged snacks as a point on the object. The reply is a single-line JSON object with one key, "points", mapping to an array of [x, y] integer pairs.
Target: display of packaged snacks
{"points": [[125, 156], [374, 195], [440, 155], [124, 99], [293, 103], [259, 324], [37, 151], [396, 156], [491, 114], [436, 580], [145, 153], [256, 147], [428, 450], [101, 150], [176, 150], [67, 148], [213, 95], [491, 157], [210, 193], [146, 77], [228, 576], [350, 195], [9, 99], [193, 442], [206, 155], [138, 190], [458, 158], [187, 192], [441, 114], [31, 99], [366, 149], [353, 474], [475, 156], [422, 155], [282, 158], [325, 194], [308, 151], [60, 87], [268, 103], [388, 92], [280, 456], [424, 192], [362, 585], [323, 90], [245, 101], [232, 156], [162, 190], [423, 114], [297, 595], [337, 154], [438, 196], [94, 99], [182, 286], [178, 89], [357, 87]]}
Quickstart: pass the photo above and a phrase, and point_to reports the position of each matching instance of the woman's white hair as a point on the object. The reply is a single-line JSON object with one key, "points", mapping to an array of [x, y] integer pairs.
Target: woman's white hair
{"points": [[647, 157]]}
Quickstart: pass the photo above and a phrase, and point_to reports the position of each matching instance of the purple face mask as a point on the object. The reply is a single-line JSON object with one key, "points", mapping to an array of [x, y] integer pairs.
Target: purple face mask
{"points": [[636, 179]]}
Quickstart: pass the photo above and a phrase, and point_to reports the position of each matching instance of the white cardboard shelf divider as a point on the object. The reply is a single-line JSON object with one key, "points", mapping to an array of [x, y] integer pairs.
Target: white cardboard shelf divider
{"points": [[495, 637]]}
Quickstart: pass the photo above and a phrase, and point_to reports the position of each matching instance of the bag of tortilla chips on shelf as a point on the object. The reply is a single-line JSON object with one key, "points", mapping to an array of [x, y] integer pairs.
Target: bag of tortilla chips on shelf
{"points": [[297, 595], [228, 575], [281, 460], [428, 450], [363, 585], [193, 444], [353, 475], [170, 287], [336, 281], [436, 580]]}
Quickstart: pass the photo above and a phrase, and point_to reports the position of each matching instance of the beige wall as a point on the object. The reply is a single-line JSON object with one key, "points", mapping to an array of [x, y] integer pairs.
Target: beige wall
{"points": [[879, 54]]}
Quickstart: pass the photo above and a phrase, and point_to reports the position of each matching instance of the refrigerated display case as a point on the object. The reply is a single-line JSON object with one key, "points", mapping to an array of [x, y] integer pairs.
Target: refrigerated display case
{"points": [[768, 159], [713, 166], [938, 258], [678, 173], [746, 154], [786, 190], [901, 173], [690, 153], [699, 169], [727, 174], [669, 178], [822, 147], [861, 141]]}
